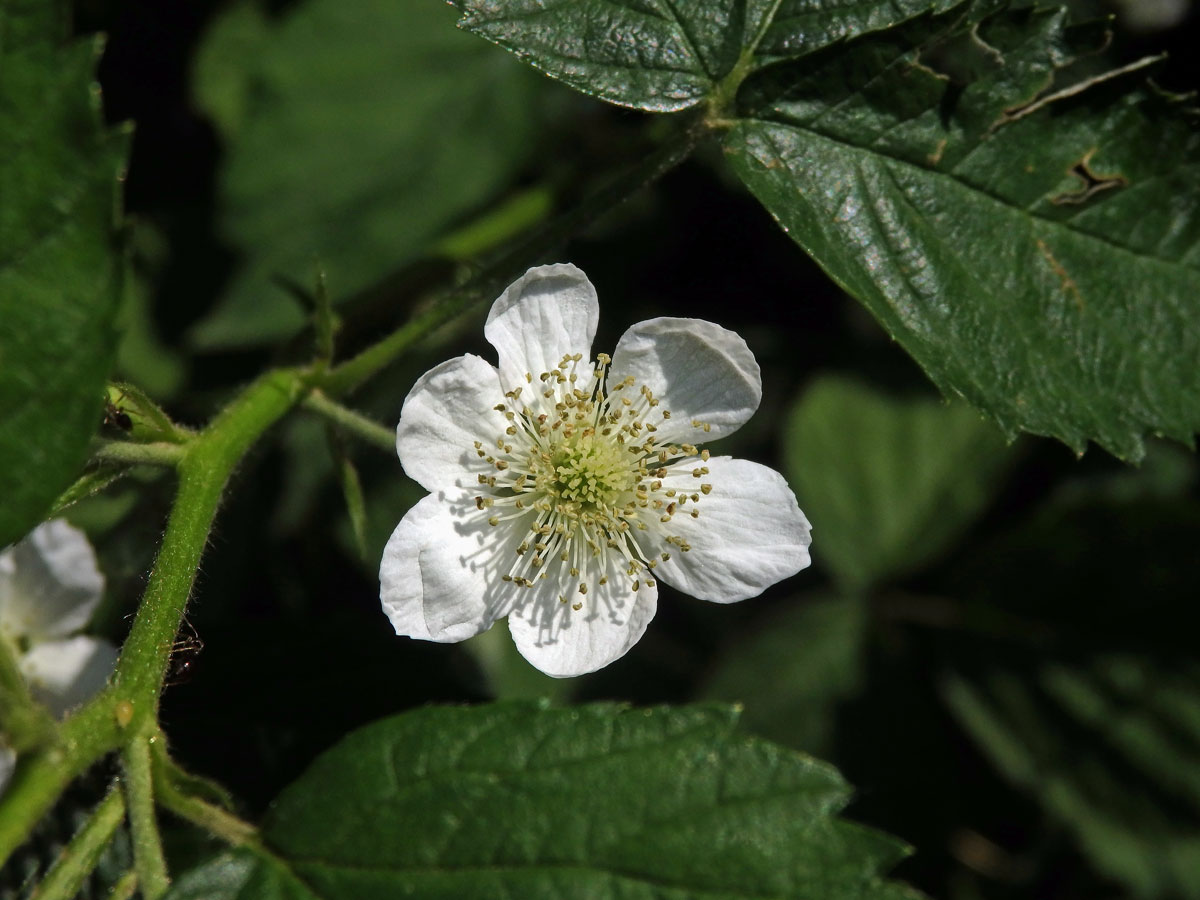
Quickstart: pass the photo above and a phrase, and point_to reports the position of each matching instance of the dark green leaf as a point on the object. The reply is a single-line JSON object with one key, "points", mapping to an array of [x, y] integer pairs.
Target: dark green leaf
{"points": [[1030, 236], [1076, 674], [887, 483], [521, 800], [239, 875], [60, 263], [791, 672], [1112, 749], [668, 55], [356, 134]]}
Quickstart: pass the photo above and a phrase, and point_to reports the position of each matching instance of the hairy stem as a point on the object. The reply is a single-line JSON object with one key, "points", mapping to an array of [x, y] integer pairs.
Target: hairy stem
{"points": [[26, 723], [128, 707], [41, 776], [80, 856], [155, 454], [148, 858], [211, 818], [353, 422], [125, 887], [203, 471]]}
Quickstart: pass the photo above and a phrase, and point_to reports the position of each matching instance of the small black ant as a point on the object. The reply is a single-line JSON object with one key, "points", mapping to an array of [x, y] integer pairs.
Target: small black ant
{"points": [[186, 649], [114, 415]]}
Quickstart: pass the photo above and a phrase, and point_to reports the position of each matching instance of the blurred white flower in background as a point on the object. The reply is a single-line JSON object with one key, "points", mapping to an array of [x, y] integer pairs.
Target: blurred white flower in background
{"points": [[49, 587], [563, 489], [1152, 15]]}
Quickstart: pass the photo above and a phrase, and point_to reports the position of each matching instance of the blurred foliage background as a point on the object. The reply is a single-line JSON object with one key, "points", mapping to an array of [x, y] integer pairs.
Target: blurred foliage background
{"points": [[995, 643]]}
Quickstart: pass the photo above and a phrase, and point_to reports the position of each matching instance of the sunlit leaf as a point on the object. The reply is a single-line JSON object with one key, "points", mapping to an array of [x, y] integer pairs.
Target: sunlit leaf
{"points": [[522, 800], [668, 55], [1030, 236]]}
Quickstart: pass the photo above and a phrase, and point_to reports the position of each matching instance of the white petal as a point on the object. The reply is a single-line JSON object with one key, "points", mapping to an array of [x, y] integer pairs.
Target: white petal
{"points": [[750, 532], [440, 573], [697, 370], [450, 408], [62, 674], [547, 313], [564, 642], [49, 583]]}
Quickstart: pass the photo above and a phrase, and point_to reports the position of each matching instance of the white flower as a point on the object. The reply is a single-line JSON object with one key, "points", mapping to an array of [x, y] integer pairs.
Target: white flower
{"points": [[562, 490], [49, 588]]}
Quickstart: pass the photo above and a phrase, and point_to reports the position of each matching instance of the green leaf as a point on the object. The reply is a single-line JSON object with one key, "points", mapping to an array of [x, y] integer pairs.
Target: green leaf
{"points": [[888, 483], [60, 261], [791, 672], [521, 800], [1030, 235], [1075, 671], [355, 133], [1112, 749], [669, 55]]}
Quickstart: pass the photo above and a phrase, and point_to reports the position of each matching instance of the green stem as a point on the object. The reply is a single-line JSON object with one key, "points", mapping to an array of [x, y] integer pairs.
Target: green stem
{"points": [[80, 856], [41, 777], [489, 282], [121, 711], [354, 422], [211, 818], [148, 858], [125, 887], [203, 471], [159, 453], [26, 723]]}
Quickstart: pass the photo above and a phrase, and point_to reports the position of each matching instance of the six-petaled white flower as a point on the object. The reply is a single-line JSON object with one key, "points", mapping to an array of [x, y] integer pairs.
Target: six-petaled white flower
{"points": [[564, 488], [49, 588]]}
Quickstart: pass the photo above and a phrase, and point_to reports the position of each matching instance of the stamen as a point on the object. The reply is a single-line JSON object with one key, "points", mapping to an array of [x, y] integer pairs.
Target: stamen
{"points": [[583, 472]]}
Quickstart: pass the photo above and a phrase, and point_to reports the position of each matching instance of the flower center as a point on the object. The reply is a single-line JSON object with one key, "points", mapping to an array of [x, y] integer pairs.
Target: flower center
{"points": [[591, 471], [580, 474]]}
